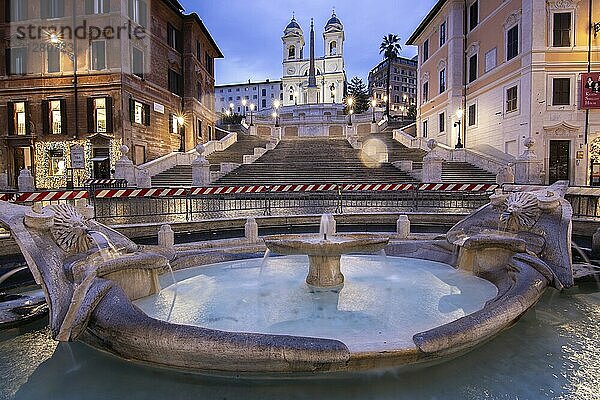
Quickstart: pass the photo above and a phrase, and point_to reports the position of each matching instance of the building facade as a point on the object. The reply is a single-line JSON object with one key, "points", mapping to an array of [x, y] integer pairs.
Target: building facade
{"points": [[403, 84], [78, 80], [261, 94], [496, 72], [329, 74]]}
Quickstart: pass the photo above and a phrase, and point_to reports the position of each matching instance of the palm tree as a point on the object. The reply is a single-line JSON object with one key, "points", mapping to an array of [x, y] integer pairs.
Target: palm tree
{"points": [[390, 48]]}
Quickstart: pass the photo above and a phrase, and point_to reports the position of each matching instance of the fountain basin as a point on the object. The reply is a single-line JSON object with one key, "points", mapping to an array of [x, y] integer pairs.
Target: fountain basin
{"points": [[324, 253]]}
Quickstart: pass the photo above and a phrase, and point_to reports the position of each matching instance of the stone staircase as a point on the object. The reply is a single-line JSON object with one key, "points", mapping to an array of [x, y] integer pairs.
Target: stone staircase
{"points": [[314, 160], [181, 175]]}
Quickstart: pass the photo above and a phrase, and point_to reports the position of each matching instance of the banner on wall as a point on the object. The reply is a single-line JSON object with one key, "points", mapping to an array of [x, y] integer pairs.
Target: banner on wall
{"points": [[590, 91]]}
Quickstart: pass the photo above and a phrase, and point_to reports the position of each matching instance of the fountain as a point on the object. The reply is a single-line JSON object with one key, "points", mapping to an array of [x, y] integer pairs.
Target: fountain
{"points": [[431, 300], [324, 251]]}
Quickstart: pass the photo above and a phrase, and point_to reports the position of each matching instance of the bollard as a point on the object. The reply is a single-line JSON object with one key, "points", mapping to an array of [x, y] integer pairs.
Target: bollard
{"points": [[403, 226], [251, 230], [166, 237]]}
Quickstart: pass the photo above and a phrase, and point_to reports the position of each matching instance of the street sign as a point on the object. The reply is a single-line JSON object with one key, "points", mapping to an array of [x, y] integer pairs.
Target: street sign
{"points": [[590, 91], [77, 157]]}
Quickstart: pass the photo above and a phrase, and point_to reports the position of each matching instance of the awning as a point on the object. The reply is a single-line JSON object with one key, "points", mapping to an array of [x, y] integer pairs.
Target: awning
{"points": [[104, 158]]}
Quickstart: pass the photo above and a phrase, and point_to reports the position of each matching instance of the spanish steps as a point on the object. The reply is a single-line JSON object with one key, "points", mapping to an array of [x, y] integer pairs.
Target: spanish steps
{"points": [[318, 160]]}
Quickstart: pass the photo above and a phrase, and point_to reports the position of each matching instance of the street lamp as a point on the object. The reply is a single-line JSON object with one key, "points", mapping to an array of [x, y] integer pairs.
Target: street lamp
{"points": [[244, 102], [179, 120], [252, 106], [350, 103], [231, 107], [276, 105], [373, 105], [459, 115]]}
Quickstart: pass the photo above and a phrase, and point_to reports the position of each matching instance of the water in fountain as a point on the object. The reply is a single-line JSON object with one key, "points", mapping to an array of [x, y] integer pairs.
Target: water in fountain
{"points": [[379, 307], [327, 227], [263, 263], [105, 247]]}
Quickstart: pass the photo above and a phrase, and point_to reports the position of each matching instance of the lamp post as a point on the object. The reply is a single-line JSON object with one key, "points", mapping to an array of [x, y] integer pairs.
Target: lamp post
{"points": [[231, 107], [179, 120], [252, 106], [228, 114], [373, 105], [459, 115], [276, 105], [350, 103], [244, 102]]}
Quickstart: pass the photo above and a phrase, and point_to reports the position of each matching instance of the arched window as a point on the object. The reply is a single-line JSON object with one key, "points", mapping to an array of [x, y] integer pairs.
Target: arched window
{"points": [[292, 52], [333, 48], [291, 93]]}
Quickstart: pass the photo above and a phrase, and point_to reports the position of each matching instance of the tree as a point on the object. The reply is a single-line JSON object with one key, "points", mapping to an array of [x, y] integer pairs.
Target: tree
{"points": [[390, 48], [359, 92]]}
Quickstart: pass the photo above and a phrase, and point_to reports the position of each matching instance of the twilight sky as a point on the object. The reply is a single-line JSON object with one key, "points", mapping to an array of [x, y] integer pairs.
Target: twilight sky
{"points": [[249, 32]]}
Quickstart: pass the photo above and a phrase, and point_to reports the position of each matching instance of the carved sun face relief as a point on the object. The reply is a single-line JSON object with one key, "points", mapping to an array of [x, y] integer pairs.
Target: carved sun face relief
{"points": [[70, 229], [520, 211]]}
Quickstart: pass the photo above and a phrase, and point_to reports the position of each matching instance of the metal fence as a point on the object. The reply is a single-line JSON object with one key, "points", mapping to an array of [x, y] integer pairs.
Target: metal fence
{"points": [[190, 207], [129, 205]]}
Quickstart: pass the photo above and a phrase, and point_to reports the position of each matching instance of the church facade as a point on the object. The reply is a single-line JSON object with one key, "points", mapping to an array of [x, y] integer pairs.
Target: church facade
{"points": [[313, 80]]}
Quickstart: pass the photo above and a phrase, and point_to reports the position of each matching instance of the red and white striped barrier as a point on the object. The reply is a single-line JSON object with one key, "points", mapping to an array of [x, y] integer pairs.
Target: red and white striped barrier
{"points": [[129, 193], [51, 196], [213, 190], [324, 187], [378, 187], [457, 187], [6, 196]]}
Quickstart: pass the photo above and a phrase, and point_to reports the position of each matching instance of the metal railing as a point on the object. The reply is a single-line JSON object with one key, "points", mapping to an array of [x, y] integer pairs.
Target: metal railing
{"points": [[130, 205], [191, 207]]}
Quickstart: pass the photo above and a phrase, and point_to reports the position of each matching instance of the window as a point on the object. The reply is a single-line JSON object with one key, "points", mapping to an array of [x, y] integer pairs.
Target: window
{"points": [[264, 92], [137, 62], [173, 123], [443, 34], [472, 115], [198, 50], [561, 35], [199, 91], [16, 61], [53, 59], [174, 37], [208, 60], [18, 121], [443, 80], [490, 60], [473, 15], [424, 129], [511, 99], [512, 42], [291, 52], [425, 92], [561, 91], [199, 128], [426, 50], [16, 10], [98, 55], [138, 12], [442, 122], [175, 83], [97, 6], [264, 103], [472, 68], [52, 9], [100, 115], [139, 113], [56, 162], [55, 113], [333, 48]]}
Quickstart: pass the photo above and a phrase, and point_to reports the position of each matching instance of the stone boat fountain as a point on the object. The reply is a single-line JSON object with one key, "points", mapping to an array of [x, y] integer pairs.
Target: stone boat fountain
{"points": [[98, 283]]}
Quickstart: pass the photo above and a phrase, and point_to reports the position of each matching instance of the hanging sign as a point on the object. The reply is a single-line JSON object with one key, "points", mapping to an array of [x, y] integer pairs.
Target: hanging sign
{"points": [[590, 90]]}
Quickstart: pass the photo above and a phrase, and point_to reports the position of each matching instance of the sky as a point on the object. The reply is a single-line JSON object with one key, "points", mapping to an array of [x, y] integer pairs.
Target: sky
{"points": [[248, 32]]}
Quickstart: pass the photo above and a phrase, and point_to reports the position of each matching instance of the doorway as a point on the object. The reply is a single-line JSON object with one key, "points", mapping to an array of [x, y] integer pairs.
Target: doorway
{"points": [[101, 163], [558, 163], [21, 159]]}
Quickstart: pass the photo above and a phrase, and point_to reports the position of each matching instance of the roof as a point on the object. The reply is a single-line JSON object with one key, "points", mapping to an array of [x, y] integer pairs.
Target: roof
{"points": [[267, 82], [293, 25], [333, 20], [204, 30], [426, 21]]}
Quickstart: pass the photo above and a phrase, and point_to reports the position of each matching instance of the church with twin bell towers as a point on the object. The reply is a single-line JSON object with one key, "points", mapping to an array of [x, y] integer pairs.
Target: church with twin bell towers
{"points": [[313, 80]]}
